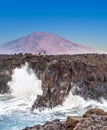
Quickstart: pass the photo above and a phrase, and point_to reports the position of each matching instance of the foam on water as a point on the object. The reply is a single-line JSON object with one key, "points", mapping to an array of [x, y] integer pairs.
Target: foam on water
{"points": [[74, 101], [24, 83], [25, 86], [75, 105]]}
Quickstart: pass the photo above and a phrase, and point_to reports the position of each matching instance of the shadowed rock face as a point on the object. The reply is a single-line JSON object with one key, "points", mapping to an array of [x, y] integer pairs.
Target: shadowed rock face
{"points": [[40, 42], [86, 75], [96, 120]]}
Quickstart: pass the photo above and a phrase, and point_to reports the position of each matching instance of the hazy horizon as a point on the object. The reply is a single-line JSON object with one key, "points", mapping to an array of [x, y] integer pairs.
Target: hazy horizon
{"points": [[80, 21]]}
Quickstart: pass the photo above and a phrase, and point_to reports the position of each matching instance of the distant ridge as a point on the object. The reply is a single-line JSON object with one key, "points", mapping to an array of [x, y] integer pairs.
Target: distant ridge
{"points": [[40, 42]]}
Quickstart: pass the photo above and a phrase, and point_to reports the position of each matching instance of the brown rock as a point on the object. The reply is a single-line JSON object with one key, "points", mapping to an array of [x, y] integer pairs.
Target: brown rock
{"points": [[53, 125], [95, 120], [88, 73], [95, 111], [71, 123]]}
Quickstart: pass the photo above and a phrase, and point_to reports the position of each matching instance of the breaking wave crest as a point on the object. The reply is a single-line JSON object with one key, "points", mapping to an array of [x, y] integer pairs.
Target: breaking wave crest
{"points": [[24, 87], [25, 83]]}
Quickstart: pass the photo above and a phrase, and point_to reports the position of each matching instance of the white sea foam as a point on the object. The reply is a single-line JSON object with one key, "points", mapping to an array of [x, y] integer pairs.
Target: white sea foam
{"points": [[25, 87], [76, 105], [24, 83]]}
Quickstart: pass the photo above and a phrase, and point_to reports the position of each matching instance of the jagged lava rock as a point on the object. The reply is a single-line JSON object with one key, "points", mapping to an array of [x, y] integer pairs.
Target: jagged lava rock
{"points": [[85, 74], [53, 125], [94, 121], [95, 111]]}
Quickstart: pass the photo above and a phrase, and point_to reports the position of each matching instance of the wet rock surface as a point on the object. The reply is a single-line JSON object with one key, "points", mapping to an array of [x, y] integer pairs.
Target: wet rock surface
{"points": [[53, 125], [94, 121], [85, 74]]}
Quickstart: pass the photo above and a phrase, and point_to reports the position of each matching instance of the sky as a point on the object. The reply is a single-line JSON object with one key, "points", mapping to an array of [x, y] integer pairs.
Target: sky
{"points": [[81, 21]]}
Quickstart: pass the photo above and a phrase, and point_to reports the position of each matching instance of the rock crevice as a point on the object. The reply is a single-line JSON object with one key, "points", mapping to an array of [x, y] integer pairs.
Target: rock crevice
{"points": [[59, 74]]}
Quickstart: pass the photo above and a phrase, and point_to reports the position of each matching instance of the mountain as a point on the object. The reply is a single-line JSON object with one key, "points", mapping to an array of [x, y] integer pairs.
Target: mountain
{"points": [[40, 42]]}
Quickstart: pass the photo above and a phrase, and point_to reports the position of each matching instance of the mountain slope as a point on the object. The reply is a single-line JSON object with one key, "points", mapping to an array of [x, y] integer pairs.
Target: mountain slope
{"points": [[40, 42]]}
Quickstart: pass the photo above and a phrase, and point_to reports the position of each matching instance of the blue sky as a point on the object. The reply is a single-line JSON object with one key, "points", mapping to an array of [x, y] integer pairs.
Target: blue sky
{"points": [[81, 21]]}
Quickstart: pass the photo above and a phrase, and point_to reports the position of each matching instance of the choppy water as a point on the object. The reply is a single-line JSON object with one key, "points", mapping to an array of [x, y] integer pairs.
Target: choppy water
{"points": [[15, 108], [15, 113]]}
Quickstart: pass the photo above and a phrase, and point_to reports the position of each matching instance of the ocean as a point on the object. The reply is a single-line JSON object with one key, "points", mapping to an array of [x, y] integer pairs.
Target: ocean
{"points": [[15, 107]]}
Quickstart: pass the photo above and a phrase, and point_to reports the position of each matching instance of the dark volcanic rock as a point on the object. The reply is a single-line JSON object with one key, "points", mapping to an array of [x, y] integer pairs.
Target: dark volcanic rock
{"points": [[53, 125], [85, 74], [94, 121], [71, 123], [95, 111]]}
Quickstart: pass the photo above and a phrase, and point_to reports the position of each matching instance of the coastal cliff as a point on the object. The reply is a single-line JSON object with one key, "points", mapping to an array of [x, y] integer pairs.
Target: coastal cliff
{"points": [[85, 74]]}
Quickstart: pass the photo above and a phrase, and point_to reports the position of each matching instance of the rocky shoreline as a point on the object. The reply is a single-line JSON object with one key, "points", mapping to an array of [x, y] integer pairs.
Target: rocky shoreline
{"points": [[85, 74], [93, 119]]}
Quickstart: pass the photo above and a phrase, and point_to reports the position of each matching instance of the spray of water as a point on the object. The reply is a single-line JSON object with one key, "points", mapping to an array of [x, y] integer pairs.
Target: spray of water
{"points": [[24, 83], [25, 87], [76, 105]]}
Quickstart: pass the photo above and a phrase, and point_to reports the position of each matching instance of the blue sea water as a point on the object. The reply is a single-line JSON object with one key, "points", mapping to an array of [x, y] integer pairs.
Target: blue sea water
{"points": [[16, 114], [15, 108]]}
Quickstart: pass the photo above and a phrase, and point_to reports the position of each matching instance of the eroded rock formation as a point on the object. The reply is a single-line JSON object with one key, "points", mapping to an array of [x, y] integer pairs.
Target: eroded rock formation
{"points": [[85, 74]]}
